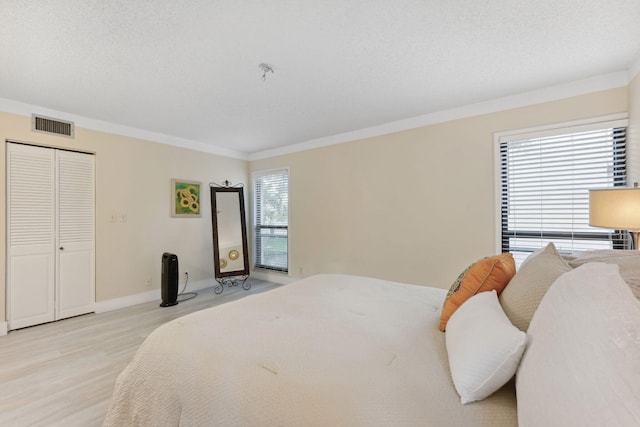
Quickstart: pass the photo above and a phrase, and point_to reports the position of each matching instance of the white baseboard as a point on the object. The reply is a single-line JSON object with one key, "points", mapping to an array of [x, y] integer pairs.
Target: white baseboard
{"points": [[154, 295], [279, 278], [129, 300]]}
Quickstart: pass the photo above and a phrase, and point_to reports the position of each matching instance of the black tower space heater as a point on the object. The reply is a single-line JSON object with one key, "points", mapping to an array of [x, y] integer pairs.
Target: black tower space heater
{"points": [[169, 280]]}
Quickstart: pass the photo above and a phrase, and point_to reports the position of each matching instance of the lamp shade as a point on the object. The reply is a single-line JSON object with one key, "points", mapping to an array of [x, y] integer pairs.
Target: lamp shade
{"points": [[617, 208]]}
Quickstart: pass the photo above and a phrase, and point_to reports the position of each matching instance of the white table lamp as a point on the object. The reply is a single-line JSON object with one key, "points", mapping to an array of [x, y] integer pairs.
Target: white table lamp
{"points": [[616, 208]]}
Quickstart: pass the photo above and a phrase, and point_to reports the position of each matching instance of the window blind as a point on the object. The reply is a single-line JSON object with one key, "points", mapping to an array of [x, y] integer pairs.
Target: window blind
{"points": [[272, 220], [545, 183]]}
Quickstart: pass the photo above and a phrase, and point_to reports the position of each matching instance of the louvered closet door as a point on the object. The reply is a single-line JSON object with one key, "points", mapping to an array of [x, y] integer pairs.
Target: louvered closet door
{"points": [[75, 284], [30, 237]]}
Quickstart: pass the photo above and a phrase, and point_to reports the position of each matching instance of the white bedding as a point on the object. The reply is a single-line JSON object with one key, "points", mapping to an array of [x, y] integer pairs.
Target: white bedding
{"points": [[330, 350]]}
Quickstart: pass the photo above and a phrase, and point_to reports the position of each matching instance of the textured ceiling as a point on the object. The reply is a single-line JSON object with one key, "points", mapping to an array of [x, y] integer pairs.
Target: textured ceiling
{"points": [[189, 69]]}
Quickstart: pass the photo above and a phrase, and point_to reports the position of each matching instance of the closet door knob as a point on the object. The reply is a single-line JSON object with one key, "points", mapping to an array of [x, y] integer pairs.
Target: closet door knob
{"points": [[61, 248]]}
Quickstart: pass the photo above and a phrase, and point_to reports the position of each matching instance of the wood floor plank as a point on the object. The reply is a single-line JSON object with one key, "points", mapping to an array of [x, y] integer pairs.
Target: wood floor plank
{"points": [[63, 373]]}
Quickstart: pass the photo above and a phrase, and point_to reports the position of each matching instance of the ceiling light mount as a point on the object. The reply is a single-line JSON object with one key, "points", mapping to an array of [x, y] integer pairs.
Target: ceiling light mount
{"points": [[266, 68]]}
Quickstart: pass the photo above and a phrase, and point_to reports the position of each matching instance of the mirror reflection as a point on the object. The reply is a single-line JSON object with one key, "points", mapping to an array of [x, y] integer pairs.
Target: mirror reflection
{"points": [[229, 230]]}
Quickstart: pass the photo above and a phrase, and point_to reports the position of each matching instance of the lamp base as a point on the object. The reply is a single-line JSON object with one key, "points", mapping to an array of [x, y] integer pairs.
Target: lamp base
{"points": [[635, 235]]}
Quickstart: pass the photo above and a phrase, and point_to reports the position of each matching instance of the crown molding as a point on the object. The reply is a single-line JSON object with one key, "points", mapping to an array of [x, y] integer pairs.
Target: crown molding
{"points": [[553, 93], [634, 69], [23, 109]]}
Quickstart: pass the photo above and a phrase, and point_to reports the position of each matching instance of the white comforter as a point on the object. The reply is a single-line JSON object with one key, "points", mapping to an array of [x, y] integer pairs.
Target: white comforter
{"points": [[330, 350]]}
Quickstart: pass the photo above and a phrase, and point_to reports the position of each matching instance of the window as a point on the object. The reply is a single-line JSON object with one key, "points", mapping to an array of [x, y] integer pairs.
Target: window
{"points": [[271, 192], [545, 179]]}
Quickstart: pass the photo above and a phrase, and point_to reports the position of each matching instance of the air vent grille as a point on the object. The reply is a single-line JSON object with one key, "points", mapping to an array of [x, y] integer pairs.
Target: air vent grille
{"points": [[51, 126]]}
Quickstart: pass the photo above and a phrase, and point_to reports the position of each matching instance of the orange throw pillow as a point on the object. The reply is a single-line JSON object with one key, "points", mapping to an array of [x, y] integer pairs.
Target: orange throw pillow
{"points": [[485, 275]]}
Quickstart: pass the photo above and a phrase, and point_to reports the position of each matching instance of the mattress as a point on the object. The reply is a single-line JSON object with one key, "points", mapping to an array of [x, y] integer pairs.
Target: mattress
{"points": [[328, 350]]}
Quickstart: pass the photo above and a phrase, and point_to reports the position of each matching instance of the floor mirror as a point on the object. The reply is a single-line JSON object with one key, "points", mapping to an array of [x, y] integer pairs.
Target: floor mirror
{"points": [[229, 228]]}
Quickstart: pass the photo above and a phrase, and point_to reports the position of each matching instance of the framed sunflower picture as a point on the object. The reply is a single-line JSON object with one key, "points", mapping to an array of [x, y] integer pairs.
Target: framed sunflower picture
{"points": [[185, 198]]}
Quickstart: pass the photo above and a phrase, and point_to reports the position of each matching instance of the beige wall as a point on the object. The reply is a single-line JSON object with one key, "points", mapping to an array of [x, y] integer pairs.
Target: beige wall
{"points": [[133, 177], [415, 206], [633, 145]]}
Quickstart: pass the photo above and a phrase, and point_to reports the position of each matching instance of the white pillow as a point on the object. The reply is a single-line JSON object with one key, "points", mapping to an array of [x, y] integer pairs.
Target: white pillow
{"points": [[628, 261], [484, 347], [582, 364]]}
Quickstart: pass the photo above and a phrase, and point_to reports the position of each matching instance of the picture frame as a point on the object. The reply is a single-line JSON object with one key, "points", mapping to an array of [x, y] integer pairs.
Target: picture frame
{"points": [[185, 198]]}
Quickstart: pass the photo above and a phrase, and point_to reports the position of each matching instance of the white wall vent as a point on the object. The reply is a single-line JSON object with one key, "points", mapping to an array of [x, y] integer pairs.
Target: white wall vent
{"points": [[52, 126]]}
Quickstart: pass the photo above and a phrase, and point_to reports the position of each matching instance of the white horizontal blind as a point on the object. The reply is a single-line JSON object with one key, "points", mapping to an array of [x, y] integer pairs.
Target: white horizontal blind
{"points": [[545, 183], [271, 227]]}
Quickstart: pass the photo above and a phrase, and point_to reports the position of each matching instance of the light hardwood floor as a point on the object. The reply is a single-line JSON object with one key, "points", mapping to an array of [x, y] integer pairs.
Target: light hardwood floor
{"points": [[63, 373]]}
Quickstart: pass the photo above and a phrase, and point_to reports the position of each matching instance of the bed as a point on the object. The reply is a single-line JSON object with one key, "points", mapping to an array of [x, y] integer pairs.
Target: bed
{"points": [[325, 351], [338, 350]]}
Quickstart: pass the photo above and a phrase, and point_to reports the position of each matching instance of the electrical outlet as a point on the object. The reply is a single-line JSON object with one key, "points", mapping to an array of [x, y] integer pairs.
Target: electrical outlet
{"points": [[149, 282]]}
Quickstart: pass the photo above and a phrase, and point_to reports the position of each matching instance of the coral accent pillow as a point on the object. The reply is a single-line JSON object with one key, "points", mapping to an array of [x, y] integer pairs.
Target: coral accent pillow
{"points": [[484, 275]]}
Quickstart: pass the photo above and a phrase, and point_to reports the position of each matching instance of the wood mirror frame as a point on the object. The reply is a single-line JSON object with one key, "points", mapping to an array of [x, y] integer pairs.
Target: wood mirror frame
{"points": [[229, 229]]}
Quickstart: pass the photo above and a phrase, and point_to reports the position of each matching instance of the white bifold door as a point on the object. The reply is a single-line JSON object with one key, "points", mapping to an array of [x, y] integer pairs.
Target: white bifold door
{"points": [[50, 234]]}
